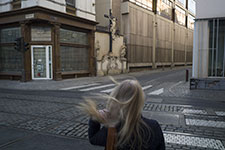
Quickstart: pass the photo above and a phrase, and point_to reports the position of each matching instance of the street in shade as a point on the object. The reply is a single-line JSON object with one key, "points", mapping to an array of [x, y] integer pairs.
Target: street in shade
{"points": [[43, 115]]}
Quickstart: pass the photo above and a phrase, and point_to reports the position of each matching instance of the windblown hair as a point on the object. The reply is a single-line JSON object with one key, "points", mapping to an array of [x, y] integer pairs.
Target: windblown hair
{"points": [[125, 105]]}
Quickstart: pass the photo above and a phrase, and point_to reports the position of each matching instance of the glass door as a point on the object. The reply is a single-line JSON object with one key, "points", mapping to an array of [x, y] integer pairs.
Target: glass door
{"points": [[41, 62]]}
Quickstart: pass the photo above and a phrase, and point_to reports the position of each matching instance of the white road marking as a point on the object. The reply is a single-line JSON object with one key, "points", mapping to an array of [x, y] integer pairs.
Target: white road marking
{"points": [[110, 90], [146, 87], [157, 92], [97, 87], [78, 87], [107, 91]]}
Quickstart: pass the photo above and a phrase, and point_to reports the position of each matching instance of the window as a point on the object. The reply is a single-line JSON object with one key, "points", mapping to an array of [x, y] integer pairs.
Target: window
{"points": [[192, 6], [143, 3], [180, 15], [39, 33], [182, 2], [216, 48], [69, 36], [165, 8], [74, 51], [70, 3], [191, 22], [9, 35], [10, 59], [16, 4], [74, 59]]}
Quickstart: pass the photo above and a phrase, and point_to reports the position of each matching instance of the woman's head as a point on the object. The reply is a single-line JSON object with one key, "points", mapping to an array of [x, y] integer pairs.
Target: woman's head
{"points": [[126, 99]]}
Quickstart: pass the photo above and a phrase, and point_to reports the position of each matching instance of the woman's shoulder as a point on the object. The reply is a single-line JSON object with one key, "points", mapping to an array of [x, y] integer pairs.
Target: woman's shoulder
{"points": [[151, 122]]}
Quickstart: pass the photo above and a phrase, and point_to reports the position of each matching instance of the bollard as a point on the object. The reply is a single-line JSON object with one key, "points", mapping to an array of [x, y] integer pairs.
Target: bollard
{"points": [[186, 75]]}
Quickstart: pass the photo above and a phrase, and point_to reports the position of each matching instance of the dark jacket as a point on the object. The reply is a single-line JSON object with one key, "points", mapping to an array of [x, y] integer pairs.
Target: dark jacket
{"points": [[98, 135]]}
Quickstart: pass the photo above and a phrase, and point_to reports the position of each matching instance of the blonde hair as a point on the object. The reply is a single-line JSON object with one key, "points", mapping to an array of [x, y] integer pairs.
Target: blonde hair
{"points": [[125, 105]]}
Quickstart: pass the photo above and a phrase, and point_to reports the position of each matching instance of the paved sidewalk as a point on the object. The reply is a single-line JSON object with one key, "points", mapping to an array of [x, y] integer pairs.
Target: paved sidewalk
{"points": [[14, 139]]}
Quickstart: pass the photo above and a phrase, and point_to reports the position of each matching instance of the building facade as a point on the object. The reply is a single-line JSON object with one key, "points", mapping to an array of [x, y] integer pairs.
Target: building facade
{"points": [[157, 33], [60, 34], [209, 45]]}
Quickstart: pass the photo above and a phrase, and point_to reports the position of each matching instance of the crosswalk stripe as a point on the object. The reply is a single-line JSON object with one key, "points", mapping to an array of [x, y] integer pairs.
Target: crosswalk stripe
{"points": [[107, 91], [157, 92], [97, 87], [146, 87], [110, 90], [81, 86]]}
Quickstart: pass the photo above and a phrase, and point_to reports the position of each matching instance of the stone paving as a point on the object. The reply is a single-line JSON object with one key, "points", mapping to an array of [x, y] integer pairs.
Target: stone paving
{"points": [[55, 113], [65, 120]]}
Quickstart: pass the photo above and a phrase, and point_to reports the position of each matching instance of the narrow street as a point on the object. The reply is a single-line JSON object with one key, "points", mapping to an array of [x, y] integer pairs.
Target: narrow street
{"points": [[43, 114]]}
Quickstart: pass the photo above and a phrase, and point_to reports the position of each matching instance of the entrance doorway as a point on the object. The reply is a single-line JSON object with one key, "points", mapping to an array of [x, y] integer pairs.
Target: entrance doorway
{"points": [[41, 62]]}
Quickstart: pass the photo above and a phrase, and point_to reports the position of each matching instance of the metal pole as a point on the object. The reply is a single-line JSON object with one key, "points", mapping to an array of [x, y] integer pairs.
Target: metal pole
{"points": [[224, 57], [110, 33], [187, 75], [213, 47], [217, 45]]}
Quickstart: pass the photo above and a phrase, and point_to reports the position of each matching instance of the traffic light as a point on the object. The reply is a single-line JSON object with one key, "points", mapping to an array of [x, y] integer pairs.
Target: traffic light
{"points": [[20, 45], [17, 44], [25, 46]]}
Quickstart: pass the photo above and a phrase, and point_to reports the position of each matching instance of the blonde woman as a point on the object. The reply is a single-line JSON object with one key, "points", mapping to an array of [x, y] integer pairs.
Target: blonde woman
{"points": [[124, 112]]}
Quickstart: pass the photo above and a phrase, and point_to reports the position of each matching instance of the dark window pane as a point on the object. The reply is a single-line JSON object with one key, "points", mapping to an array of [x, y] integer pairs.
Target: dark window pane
{"points": [[73, 37], [74, 59], [70, 2], [8, 35], [10, 59]]}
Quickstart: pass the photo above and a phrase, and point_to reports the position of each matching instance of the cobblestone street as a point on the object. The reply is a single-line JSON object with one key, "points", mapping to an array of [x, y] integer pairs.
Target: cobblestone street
{"points": [[36, 119]]}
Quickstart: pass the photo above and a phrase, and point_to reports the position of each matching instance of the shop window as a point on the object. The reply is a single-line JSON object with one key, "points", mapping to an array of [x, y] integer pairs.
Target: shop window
{"points": [[180, 16], [74, 37], [10, 59], [74, 51], [9, 35], [74, 59], [40, 33]]}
